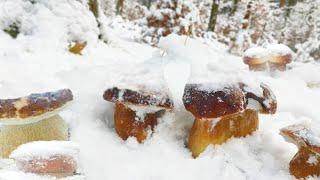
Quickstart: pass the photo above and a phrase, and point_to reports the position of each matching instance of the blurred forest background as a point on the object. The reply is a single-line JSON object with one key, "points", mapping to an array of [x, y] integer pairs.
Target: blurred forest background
{"points": [[239, 24]]}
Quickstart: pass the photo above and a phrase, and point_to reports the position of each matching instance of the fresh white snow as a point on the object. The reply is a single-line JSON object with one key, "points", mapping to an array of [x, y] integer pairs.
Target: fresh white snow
{"points": [[38, 61]]}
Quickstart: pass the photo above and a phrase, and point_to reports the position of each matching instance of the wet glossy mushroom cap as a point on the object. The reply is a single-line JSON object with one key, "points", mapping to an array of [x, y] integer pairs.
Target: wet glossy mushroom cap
{"points": [[204, 102], [34, 107], [142, 97]]}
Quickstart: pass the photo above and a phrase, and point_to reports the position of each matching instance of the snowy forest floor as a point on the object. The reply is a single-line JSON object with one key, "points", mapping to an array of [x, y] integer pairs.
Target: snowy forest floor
{"points": [[30, 64]]}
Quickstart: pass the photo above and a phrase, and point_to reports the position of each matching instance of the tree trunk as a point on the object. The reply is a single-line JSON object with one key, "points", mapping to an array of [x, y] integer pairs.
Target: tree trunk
{"points": [[119, 7], [213, 16], [235, 6], [93, 6], [282, 3], [147, 3], [291, 3]]}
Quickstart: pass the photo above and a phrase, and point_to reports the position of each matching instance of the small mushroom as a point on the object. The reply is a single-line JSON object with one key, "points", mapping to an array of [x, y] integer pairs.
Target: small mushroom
{"points": [[273, 57], [136, 112], [77, 47], [307, 160], [256, 58], [222, 113], [32, 118], [54, 158], [280, 56]]}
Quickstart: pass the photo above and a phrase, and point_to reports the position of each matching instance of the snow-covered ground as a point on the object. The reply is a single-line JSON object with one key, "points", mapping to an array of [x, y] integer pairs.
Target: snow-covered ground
{"points": [[38, 61]]}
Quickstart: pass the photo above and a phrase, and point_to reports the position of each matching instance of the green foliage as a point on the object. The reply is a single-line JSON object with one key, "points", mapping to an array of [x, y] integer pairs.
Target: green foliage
{"points": [[13, 30]]}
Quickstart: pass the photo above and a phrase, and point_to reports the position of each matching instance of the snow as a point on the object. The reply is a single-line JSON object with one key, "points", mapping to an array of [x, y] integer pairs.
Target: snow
{"points": [[278, 49], [256, 52], [39, 62], [45, 150]]}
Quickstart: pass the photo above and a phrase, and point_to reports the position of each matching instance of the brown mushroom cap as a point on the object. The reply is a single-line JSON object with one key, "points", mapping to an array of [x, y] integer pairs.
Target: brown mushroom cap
{"points": [[301, 136], [281, 59], [206, 103], [34, 107], [140, 97], [203, 103], [255, 55]]}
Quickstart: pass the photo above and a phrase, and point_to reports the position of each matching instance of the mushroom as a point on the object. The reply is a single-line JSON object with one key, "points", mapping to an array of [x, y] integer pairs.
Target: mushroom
{"points": [[55, 158], [256, 58], [137, 111], [77, 47], [307, 160], [32, 118], [223, 112], [273, 57], [280, 56]]}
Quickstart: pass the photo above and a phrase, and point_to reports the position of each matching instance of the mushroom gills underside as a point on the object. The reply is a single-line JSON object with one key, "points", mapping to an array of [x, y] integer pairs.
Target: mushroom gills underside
{"points": [[206, 131], [11, 136]]}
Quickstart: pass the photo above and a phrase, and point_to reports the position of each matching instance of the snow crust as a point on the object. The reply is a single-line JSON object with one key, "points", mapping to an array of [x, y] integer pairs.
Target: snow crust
{"points": [[39, 62]]}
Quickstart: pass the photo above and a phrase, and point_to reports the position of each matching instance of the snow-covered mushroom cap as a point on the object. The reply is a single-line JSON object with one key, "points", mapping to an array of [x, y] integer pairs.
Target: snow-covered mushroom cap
{"points": [[57, 158], [278, 49], [281, 53], [140, 96], [207, 101], [212, 101], [34, 107], [45, 150], [255, 55], [302, 135]]}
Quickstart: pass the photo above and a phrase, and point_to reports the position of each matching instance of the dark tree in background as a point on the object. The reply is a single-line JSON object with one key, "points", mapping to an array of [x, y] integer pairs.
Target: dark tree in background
{"points": [[147, 3], [235, 6], [214, 15], [119, 7]]}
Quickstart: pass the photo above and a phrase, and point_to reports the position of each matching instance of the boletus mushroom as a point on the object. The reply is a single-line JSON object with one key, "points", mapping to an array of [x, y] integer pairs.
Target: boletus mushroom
{"points": [[256, 58], [137, 111], [306, 162], [273, 57], [54, 158], [280, 56], [223, 112], [32, 118]]}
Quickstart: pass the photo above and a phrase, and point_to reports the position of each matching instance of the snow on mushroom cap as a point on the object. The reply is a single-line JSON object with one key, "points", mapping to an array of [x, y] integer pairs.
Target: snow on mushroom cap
{"points": [[278, 49], [256, 52], [305, 134], [45, 150]]}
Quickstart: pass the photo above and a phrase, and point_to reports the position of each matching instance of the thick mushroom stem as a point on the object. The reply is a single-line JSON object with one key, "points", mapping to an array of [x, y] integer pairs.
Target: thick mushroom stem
{"points": [[128, 124], [208, 131], [222, 113], [137, 111], [305, 163], [12, 136], [307, 160]]}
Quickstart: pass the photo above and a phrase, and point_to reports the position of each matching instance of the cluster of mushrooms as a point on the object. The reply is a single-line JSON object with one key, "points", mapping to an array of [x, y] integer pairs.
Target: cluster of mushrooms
{"points": [[35, 118], [273, 57], [220, 112]]}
